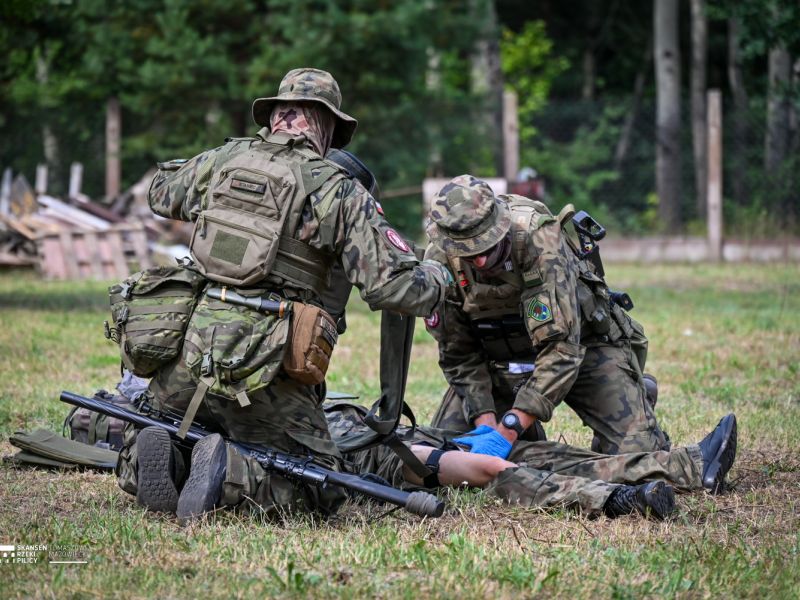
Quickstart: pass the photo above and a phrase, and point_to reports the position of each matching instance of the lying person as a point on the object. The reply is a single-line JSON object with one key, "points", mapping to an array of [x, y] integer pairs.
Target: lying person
{"points": [[544, 474]]}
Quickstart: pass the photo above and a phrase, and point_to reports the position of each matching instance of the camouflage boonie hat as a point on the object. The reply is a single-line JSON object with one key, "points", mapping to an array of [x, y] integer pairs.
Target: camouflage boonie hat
{"points": [[467, 218], [309, 85]]}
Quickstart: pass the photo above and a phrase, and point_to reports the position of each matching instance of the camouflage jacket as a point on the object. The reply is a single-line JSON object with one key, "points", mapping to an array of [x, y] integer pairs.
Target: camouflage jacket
{"points": [[340, 218], [542, 286]]}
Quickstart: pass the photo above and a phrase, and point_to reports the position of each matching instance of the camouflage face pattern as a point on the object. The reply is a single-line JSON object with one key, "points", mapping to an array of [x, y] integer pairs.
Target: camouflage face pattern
{"points": [[466, 218], [316, 124], [310, 85]]}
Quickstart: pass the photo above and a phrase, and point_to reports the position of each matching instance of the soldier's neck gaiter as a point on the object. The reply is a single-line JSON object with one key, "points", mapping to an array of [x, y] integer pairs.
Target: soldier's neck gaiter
{"points": [[493, 261], [316, 123]]}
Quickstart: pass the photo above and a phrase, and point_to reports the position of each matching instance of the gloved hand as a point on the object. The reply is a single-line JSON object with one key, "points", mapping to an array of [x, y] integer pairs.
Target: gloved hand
{"points": [[485, 440]]}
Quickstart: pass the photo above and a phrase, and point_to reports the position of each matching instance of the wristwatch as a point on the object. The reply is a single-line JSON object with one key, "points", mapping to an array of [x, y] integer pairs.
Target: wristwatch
{"points": [[511, 421]]}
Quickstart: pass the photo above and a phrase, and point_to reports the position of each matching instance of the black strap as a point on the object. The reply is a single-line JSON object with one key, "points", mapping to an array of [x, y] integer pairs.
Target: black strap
{"points": [[432, 480]]}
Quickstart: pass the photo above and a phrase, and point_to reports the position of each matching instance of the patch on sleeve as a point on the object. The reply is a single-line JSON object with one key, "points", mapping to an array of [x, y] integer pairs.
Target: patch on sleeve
{"points": [[432, 322], [379, 208], [396, 240], [539, 309]]}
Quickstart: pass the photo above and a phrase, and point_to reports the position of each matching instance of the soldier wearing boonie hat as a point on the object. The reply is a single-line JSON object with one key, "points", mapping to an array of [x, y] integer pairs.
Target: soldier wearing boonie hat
{"points": [[531, 327], [247, 197]]}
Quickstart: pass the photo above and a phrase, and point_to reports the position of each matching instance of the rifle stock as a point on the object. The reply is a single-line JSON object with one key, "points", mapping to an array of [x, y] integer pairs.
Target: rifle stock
{"points": [[292, 467]]}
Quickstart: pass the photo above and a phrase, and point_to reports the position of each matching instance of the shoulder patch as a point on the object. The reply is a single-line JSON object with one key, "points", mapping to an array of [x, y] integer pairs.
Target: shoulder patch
{"points": [[396, 240], [539, 309]]}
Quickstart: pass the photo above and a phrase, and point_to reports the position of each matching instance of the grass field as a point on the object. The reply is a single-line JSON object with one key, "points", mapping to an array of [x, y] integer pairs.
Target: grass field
{"points": [[722, 339]]}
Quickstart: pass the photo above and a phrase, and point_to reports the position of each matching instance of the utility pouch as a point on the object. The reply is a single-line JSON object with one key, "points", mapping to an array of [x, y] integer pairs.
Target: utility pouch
{"points": [[232, 350], [95, 429], [595, 306], [151, 310], [311, 342]]}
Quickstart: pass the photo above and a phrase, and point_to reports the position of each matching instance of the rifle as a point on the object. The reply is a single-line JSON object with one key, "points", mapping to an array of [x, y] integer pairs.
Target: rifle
{"points": [[301, 469]]}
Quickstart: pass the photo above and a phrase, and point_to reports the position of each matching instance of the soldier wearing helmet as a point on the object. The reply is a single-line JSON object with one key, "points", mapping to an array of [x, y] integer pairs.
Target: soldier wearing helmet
{"points": [[531, 326]]}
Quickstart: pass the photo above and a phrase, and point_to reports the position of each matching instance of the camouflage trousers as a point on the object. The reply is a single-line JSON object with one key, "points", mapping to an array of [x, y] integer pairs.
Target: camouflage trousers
{"points": [[550, 474], [608, 395], [286, 416]]}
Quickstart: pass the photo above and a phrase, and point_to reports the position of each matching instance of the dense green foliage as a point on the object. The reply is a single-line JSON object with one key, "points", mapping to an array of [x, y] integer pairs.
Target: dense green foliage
{"points": [[186, 72]]}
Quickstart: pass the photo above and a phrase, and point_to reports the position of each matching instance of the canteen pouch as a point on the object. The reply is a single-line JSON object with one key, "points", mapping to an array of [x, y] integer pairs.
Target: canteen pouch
{"points": [[151, 310], [311, 342], [232, 350]]}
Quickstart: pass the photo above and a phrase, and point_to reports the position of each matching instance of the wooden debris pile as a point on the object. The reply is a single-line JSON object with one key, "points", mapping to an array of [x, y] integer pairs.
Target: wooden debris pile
{"points": [[78, 238]]}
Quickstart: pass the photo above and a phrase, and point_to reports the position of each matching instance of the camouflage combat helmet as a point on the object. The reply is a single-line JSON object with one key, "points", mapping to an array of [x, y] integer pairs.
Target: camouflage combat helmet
{"points": [[467, 218], [309, 85]]}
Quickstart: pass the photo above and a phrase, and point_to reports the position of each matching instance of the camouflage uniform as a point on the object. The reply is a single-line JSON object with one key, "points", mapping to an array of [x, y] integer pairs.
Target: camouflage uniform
{"points": [[548, 473], [544, 308], [340, 222]]}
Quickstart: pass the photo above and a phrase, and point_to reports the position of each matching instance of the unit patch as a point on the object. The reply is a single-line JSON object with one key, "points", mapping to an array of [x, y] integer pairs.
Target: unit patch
{"points": [[539, 311], [397, 240]]}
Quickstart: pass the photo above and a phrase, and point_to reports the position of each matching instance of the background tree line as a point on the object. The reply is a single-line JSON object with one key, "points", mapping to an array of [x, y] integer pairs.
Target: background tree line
{"points": [[608, 91]]}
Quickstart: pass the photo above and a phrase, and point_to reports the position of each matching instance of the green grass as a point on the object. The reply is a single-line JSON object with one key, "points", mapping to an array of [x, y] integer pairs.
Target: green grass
{"points": [[722, 338]]}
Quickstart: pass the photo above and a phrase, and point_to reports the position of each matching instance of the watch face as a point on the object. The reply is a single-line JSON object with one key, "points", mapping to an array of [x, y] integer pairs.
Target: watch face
{"points": [[510, 420]]}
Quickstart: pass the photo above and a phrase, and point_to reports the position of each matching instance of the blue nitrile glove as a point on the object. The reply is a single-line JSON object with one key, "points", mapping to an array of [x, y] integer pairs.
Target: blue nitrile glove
{"points": [[486, 441]]}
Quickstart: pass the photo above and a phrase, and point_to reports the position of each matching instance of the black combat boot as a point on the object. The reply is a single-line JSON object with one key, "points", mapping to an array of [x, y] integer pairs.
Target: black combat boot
{"points": [[159, 472], [719, 451], [651, 387], [203, 489], [655, 499]]}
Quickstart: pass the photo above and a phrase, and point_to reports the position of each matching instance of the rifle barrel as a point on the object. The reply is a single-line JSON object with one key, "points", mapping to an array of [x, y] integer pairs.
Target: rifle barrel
{"points": [[418, 503]]}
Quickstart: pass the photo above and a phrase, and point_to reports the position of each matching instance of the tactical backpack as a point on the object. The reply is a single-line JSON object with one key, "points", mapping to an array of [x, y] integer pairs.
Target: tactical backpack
{"points": [[244, 238]]}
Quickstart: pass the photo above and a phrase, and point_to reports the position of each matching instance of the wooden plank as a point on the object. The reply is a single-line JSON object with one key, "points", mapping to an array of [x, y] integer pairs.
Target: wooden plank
{"points": [[139, 240], [96, 258], [120, 267], [68, 253]]}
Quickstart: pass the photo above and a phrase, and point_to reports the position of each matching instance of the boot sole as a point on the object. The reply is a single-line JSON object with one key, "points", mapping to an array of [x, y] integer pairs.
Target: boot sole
{"points": [[718, 467], [204, 486], [659, 500], [156, 490]]}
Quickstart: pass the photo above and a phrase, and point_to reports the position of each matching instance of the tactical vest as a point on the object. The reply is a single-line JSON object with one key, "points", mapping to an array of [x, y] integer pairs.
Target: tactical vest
{"points": [[494, 310], [251, 210]]}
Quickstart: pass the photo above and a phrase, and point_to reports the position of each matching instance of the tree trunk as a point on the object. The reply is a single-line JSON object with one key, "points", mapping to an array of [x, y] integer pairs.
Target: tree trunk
{"points": [[589, 68], [776, 142], [113, 134], [49, 139], [668, 113], [699, 128], [624, 143], [740, 105], [487, 78]]}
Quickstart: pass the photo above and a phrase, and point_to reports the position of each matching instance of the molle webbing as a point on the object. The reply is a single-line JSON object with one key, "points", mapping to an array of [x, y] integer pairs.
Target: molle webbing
{"points": [[300, 264]]}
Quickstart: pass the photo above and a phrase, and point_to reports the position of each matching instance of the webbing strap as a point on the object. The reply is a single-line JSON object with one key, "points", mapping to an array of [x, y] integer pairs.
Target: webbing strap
{"points": [[300, 263], [157, 309], [191, 411], [156, 324], [407, 456], [432, 463]]}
